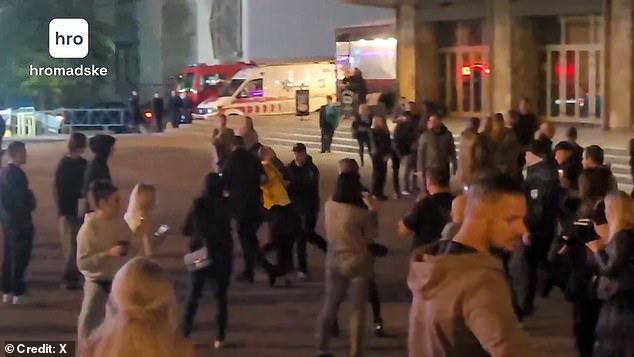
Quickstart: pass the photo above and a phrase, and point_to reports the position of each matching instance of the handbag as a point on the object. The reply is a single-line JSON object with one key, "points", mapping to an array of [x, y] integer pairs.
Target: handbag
{"points": [[197, 260]]}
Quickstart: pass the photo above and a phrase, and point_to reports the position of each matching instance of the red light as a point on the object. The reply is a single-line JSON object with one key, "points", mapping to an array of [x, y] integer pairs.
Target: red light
{"points": [[148, 114], [487, 70], [466, 71]]}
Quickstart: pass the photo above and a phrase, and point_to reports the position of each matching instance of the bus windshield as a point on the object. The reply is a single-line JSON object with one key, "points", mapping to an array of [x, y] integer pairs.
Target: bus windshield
{"points": [[185, 81], [231, 87]]}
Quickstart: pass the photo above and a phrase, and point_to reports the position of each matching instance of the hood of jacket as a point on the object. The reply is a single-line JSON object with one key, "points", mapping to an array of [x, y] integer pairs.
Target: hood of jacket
{"points": [[440, 130], [431, 269]]}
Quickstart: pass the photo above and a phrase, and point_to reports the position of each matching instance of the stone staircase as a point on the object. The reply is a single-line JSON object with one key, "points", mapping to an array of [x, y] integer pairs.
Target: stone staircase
{"points": [[284, 132]]}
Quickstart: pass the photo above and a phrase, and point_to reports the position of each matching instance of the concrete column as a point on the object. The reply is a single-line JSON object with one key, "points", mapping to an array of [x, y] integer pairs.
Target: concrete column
{"points": [[406, 51], [428, 62], [525, 63], [619, 93], [500, 19], [204, 46]]}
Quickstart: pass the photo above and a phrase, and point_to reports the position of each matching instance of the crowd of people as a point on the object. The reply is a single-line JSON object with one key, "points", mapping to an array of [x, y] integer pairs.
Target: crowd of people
{"points": [[556, 206]]}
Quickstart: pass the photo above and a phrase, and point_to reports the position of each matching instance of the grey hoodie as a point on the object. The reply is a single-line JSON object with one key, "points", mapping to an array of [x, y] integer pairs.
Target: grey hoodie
{"points": [[462, 306], [436, 149]]}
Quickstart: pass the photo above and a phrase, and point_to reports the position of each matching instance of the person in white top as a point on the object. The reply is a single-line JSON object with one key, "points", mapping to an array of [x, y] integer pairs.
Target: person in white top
{"points": [[138, 217]]}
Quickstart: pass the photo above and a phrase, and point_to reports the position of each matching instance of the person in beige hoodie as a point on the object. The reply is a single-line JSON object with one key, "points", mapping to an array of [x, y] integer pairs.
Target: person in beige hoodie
{"points": [[461, 299], [104, 244]]}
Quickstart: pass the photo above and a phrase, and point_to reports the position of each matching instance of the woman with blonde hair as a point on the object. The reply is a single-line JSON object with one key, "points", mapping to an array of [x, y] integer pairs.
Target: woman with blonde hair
{"points": [[615, 258], [141, 318], [248, 133], [142, 203]]}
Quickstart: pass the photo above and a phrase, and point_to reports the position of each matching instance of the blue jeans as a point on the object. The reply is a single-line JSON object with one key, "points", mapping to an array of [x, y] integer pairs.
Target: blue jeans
{"points": [[18, 243]]}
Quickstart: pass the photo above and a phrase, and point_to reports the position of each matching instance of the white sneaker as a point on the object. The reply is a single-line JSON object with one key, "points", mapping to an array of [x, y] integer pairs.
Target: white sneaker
{"points": [[219, 344], [6, 298], [20, 300]]}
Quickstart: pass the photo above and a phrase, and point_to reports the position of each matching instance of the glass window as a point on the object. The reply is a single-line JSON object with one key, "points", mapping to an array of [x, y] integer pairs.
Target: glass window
{"points": [[185, 81], [472, 33], [446, 34], [211, 80], [253, 89], [231, 87]]}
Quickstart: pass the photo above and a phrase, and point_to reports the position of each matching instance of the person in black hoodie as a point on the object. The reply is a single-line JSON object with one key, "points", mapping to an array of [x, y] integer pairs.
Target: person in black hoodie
{"points": [[102, 146], [569, 165], [405, 135], [303, 190], [69, 180], [208, 224], [175, 107], [18, 204], [541, 188], [381, 150]]}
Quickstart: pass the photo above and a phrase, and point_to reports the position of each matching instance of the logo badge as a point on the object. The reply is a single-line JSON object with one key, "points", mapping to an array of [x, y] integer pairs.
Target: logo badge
{"points": [[68, 38]]}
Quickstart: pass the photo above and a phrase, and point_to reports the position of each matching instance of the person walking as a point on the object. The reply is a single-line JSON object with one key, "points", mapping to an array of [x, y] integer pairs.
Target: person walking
{"points": [[16, 206], [614, 256], [465, 151], [380, 151], [135, 110], [303, 190], [461, 302], [188, 107], [248, 133], [208, 225], [361, 129], [328, 122], [157, 109], [103, 147], [69, 180], [175, 108], [283, 221], [436, 149], [140, 320], [405, 136], [104, 244], [243, 174], [351, 226]]}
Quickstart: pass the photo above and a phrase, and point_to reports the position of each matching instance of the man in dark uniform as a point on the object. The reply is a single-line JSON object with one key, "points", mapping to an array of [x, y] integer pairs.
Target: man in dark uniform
{"points": [[157, 109], [133, 108], [175, 107]]}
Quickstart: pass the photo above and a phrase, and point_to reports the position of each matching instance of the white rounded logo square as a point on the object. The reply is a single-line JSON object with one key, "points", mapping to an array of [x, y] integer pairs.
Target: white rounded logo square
{"points": [[68, 38]]}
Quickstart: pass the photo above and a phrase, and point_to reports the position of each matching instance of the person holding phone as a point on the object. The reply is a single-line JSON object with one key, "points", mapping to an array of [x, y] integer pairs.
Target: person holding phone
{"points": [[104, 244]]}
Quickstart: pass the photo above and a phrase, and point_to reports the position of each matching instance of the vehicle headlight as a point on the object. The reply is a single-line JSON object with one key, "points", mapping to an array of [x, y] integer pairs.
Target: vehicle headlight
{"points": [[60, 118]]}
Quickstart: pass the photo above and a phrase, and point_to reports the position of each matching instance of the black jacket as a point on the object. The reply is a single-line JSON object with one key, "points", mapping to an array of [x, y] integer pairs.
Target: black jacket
{"points": [[542, 195], [158, 107], [405, 135], [174, 106], [208, 224], [381, 143], [525, 128], [69, 181], [303, 187], [18, 201], [242, 173], [133, 107], [97, 169]]}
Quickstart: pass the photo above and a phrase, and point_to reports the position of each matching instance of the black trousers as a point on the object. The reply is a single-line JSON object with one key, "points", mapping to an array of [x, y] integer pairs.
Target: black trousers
{"points": [[71, 274], [396, 168], [327, 133], [159, 123], [18, 243], [585, 316], [247, 232], [379, 175], [536, 257], [363, 139], [284, 228], [220, 279], [176, 120], [308, 222]]}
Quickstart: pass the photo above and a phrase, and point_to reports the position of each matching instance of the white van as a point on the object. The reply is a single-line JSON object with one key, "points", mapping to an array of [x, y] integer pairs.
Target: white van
{"points": [[269, 90]]}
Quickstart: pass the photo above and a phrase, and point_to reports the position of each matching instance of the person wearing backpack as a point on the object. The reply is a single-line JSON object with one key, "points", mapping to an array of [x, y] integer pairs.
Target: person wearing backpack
{"points": [[18, 204]]}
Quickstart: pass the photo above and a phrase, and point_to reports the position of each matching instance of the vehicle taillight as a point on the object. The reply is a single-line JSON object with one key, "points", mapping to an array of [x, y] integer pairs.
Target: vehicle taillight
{"points": [[148, 114]]}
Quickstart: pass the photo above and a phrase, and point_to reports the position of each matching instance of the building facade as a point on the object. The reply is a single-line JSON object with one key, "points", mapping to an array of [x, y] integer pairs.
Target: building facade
{"points": [[572, 58]]}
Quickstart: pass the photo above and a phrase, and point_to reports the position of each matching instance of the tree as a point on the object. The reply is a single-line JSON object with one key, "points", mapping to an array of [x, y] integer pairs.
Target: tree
{"points": [[24, 42]]}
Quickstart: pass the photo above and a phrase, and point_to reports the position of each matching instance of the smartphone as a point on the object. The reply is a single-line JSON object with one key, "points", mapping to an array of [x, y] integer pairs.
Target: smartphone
{"points": [[162, 229]]}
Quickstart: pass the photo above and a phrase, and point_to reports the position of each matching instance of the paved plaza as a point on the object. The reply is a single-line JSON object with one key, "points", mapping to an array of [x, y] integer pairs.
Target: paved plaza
{"points": [[264, 321]]}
